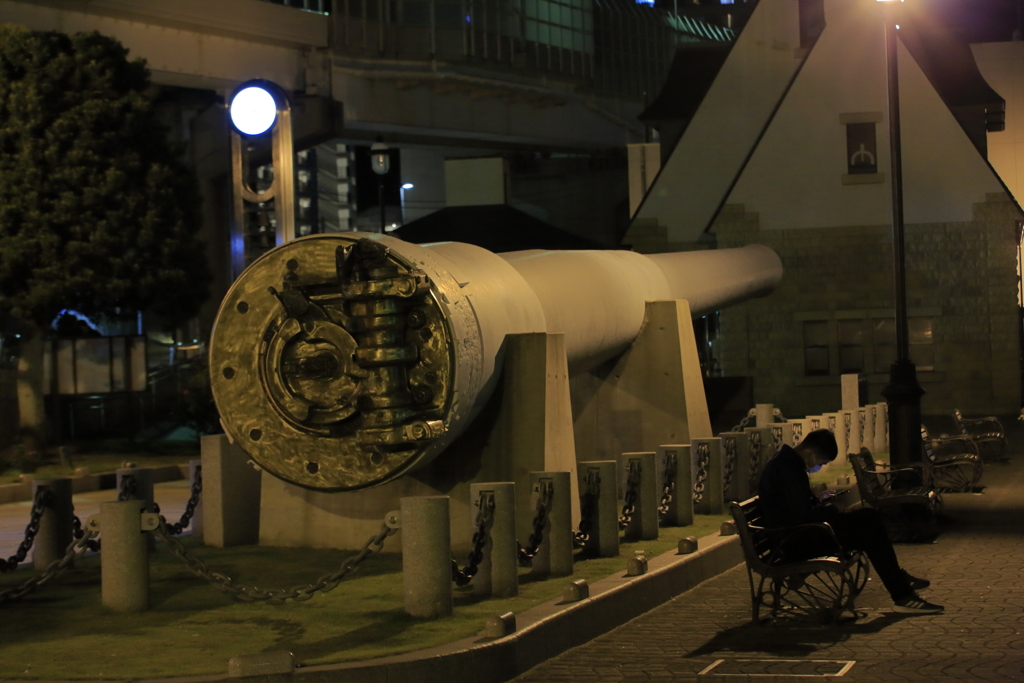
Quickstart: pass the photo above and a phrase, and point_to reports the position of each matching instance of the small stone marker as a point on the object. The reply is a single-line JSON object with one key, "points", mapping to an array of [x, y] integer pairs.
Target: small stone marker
{"points": [[637, 566], [576, 590], [727, 529], [261, 664], [500, 625], [687, 545]]}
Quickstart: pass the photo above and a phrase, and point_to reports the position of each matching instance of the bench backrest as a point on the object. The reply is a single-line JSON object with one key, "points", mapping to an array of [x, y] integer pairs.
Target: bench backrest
{"points": [[959, 419], [868, 482], [753, 537]]}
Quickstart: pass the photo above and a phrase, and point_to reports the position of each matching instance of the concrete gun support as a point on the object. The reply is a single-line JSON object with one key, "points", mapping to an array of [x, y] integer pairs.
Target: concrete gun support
{"points": [[343, 361]]}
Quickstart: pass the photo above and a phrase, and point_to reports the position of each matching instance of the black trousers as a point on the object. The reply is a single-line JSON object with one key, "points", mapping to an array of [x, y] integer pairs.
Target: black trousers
{"points": [[864, 530]]}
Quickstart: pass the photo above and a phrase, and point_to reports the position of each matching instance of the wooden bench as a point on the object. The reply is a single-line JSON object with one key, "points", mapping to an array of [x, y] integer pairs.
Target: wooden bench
{"points": [[909, 513], [816, 590]]}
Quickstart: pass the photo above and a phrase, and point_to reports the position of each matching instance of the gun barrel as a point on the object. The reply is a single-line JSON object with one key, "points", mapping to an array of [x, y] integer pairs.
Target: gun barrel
{"points": [[342, 361]]}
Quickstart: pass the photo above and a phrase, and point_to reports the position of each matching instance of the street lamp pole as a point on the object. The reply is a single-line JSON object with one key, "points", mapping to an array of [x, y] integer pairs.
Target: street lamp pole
{"points": [[903, 392], [380, 162]]}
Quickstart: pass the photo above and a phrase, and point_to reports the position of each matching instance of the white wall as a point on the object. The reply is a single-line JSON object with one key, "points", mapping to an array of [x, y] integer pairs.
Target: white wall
{"points": [[794, 179], [711, 152], [1002, 65]]}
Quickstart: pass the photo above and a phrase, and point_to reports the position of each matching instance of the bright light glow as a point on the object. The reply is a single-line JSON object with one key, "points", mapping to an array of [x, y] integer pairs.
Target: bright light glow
{"points": [[645, 2], [408, 186], [253, 110]]}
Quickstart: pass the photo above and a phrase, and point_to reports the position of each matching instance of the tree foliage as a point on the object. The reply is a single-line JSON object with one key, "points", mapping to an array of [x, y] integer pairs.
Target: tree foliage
{"points": [[97, 212]]}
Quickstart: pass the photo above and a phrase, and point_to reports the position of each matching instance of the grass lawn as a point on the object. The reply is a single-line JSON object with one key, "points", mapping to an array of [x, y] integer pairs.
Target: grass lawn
{"points": [[63, 632]]}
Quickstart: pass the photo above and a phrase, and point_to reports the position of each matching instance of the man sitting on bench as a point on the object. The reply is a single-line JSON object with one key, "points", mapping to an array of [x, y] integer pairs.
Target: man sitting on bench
{"points": [[786, 501]]}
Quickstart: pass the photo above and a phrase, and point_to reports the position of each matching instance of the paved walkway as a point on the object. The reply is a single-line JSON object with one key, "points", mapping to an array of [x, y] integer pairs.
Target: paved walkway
{"points": [[977, 571]]}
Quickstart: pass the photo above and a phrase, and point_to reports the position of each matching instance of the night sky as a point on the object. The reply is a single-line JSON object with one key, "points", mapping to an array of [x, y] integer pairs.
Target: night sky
{"points": [[979, 21]]}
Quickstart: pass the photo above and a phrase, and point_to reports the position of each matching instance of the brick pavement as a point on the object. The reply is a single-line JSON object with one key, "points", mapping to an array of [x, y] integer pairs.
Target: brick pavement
{"points": [[975, 566]]}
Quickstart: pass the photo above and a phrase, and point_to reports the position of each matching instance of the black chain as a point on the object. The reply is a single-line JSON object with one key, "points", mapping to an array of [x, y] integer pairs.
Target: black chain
{"points": [[190, 506], [129, 487], [588, 507], [484, 517], [730, 465], [755, 459], [629, 501], [92, 544], [526, 555], [703, 462], [43, 500], [669, 485]]}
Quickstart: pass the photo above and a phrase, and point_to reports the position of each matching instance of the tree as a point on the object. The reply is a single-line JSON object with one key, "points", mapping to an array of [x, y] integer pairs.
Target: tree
{"points": [[97, 212]]}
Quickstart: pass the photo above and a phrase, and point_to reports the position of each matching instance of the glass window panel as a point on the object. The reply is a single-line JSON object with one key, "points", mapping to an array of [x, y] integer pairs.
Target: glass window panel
{"points": [[415, 13], [531, 8], [815, 333], [449, 15], [542, 33], [923, 356], [542, 10], [921, 331], [885, 356], [578, 43], [851, 359], [851, 332], [816, 361], [885, 332], [531, 30]]}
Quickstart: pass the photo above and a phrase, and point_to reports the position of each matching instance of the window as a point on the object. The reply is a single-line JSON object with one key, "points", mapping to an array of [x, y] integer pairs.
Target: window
{"points": [[851, 345], [861, 148], [921, 338], [816, 347]]}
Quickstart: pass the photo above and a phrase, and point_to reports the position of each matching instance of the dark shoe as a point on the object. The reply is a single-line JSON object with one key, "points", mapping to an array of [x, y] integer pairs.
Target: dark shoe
{"points": [[916, 584], [914, 604]]}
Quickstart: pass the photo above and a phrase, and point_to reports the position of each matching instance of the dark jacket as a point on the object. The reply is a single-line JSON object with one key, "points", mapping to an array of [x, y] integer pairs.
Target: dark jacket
{"points": [[785, 492]]}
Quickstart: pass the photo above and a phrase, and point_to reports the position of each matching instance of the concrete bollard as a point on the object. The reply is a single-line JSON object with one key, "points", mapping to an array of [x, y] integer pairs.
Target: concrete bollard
{"points": [[852, 431], [765, 414], [143, 484], [643, 524], [736, 449], [867, 440], [677, 459], [881, 428], [55, 526], [124, 560], [834, 423], [576, 591], [195, 468], [798, 433], [760, 439], [707, 485], [500, 625], [600, 475], [554, 555], [426, 556], [782, 433], [498, 573]]}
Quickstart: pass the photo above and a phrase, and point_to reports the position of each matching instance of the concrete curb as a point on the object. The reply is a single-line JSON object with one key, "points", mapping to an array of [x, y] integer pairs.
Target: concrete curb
{"points": [[22, 491], [544, 631]]}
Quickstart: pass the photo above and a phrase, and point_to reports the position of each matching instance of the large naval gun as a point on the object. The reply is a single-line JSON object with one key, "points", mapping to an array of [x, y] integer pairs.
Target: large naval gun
{"points": [[341, 362]]}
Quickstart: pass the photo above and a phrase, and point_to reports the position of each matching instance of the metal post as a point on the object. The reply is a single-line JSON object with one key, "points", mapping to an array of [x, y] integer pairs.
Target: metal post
{"points": [[680, 508], [604, 529], [498, 573], [124, 561], [426, 556], [643, 524], [55, 528], [380, 196], [903, 392], [554, 555]]}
